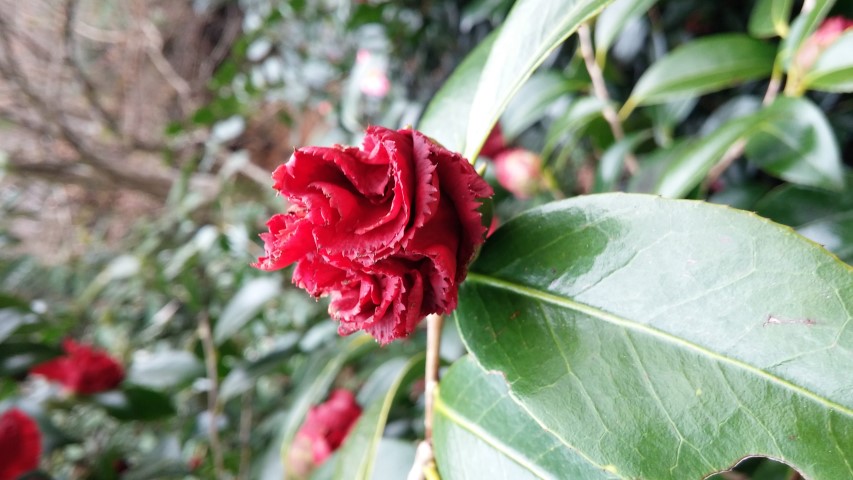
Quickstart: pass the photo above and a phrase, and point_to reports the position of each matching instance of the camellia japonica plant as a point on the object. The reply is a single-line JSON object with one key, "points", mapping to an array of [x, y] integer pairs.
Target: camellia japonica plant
{"points": [[611, 335]]}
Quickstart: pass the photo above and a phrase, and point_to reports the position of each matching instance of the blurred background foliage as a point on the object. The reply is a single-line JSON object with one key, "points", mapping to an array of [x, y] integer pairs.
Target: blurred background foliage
{"points": [[136, 143]]}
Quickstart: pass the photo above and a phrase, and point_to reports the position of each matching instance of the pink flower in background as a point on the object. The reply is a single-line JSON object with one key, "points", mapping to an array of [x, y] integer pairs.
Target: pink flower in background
{"points": [[371, 73], [20, 444], [823, 37], [386, 230], [519, 171], [325, 429], [83, 370]]}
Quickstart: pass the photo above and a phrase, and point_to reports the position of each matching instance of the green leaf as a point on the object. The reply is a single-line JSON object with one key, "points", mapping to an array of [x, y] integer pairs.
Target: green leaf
{"points": [[691, 164], [769, 18], [446, 116], [480, 432], [357, 456], [612, 161], [796, 143], [612, 21], [666, 339], [17, 358], [702, 66], [532, 30], [245, 305], [532, 101], [135, 403], [833, 70], [165, 369], [835, 233]]}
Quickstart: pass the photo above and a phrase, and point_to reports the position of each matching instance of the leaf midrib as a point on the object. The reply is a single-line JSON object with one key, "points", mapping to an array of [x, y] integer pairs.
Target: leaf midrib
{"points": [[613, 319]]}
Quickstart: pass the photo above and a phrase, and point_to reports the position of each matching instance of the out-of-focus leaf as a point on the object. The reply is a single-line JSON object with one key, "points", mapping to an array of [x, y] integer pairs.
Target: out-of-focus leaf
{"points": [[532, 101], [244, 377], [702, 66], [135, 403], [795, 142], [531, 31], [610, 166], [833, 70], [803, 26], [156, 469], [569, 125], [446, 116], [164, 370], [480, 432], [246, 303], [820, 215], [693, 163], [612, 21], [358, 455], [703, 333], [769, 18]]}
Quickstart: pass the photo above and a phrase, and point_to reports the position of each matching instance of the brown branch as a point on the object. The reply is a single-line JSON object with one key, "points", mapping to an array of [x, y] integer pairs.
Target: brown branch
{"points": [[89, 90], [600, 89], [213, 405]]}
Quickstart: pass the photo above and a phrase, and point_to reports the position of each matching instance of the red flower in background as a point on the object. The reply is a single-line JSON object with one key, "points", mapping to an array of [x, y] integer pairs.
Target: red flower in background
{"points": [[20, 444], [495, 143], [386, 230], [83, 370], [324, 430]]}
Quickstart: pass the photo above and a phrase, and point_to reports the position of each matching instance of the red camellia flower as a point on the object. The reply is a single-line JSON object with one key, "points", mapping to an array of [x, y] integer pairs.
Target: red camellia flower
{"points": [[386, 230], [324, 430], [83, 370], [20, 444]]}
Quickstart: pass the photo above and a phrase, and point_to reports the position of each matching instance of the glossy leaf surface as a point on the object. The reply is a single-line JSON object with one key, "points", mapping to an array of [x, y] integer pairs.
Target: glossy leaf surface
{"points": [[701, 66], [668, 339], [480, 432], [532, 30]]}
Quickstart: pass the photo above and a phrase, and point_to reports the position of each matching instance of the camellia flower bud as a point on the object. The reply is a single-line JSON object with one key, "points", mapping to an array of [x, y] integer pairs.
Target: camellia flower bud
{"points": [[386, 231], [325, 429], [83, 370], [20, 444], [824, 36], [519, 171]]}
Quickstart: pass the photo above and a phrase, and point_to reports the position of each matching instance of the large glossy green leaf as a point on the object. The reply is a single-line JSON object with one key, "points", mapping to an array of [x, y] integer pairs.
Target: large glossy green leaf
{"points": [[701, 66], [667, 339], [532, 30], [357, 458], [446, 117], [480, 432], [833, 70], [795, 142], [769, 18], [612, 21]]}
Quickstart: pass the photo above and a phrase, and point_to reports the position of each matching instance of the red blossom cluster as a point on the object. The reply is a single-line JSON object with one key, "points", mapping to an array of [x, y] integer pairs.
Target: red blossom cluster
{"points": [[325, 429], [386, 230], [82, 370], [20, 444]]}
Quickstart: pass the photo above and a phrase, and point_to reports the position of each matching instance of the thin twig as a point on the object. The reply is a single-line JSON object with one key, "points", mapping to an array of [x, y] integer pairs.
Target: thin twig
{"points": [[424, 458], [245, 434], [600, 89], [209, 349]]}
